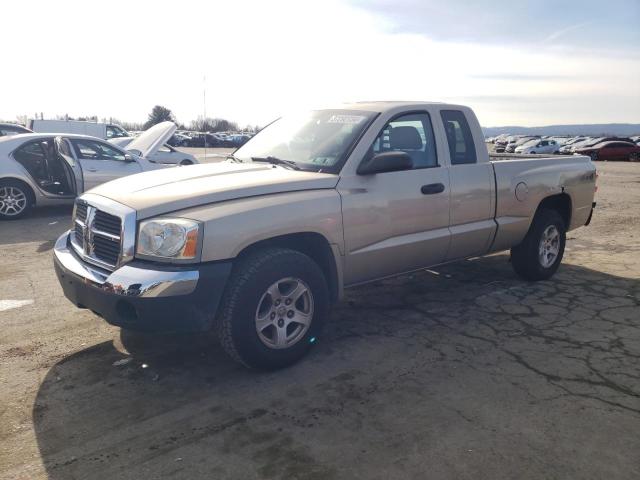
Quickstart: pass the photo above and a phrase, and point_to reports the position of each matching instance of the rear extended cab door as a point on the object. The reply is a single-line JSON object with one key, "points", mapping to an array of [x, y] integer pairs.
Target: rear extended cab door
{"points": [[472, 191]]}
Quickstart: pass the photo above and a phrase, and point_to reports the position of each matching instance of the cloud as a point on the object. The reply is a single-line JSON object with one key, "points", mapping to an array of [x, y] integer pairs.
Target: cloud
{"points": [[524, 77], [562, 32], [535, 25]]}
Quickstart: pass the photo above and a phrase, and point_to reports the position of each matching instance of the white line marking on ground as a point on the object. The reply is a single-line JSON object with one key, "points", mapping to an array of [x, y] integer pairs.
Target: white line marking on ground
{"points": [[9, 304]]}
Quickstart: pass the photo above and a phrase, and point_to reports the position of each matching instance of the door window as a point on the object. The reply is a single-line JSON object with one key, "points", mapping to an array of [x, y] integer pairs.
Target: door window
{"points": [[7, 130], [92, 150], [412, 134], [115, 132], [462, 149]]}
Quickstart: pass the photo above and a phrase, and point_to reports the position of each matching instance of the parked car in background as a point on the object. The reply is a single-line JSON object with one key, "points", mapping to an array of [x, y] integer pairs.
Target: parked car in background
{"points": [[9, 129], [511, 146], [46, 169], [105, 131], [538, 145], [179, 140], [239, 139], [612, 150], [160, 154], [594, 141], [568, 148], [203, 140]]}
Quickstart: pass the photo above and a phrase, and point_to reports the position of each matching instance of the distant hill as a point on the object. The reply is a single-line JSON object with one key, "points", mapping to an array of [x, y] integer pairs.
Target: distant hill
{"points": [[602, 129]]}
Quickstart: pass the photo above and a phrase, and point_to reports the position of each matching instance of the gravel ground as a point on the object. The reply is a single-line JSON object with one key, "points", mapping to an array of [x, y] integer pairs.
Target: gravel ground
{"points": [[462, 372]]}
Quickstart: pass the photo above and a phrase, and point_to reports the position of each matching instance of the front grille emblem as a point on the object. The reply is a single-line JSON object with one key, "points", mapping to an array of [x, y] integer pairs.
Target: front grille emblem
{"points": [[87, 231]]}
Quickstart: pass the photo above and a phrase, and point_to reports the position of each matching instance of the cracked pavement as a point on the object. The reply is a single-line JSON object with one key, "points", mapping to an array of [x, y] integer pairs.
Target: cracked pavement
{"points": [[462, 371]]}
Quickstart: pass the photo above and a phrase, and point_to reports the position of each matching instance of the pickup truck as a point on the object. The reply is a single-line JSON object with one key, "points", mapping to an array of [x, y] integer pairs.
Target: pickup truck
{"points": [[258, 247]]}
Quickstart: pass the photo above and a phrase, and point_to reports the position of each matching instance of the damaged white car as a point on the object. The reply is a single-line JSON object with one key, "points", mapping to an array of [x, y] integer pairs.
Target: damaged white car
{"points": [[47, 169]]}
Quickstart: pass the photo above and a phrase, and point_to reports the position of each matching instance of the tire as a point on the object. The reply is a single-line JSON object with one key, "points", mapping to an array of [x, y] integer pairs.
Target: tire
{"points": [[594, 156], [19, 195], [186, 162], [634, 157], [533, 153], [531, 259], [247, 303]]}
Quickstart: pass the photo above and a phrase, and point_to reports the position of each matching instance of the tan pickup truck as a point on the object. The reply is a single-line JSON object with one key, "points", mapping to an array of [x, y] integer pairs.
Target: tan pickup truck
{"points": [[259, 246]]}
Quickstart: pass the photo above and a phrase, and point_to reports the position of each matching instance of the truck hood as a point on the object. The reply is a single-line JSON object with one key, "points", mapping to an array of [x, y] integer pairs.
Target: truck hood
{"points": [[170, 189], [152, 139]]}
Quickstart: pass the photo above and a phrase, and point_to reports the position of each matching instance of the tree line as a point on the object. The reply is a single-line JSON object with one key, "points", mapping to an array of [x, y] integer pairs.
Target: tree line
{"points": [[162, 114]]}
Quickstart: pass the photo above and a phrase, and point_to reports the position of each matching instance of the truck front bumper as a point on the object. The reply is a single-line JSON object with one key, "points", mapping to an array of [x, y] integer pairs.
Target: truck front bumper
{"points": [[143, 296]]}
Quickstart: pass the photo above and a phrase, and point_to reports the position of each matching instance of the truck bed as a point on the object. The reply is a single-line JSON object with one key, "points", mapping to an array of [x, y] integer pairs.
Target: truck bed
{"points": [[523, 181]]}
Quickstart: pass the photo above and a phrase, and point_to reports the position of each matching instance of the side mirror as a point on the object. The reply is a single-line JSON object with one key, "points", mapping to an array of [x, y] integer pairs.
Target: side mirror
{"points": [[386, 162], [128, 157]]}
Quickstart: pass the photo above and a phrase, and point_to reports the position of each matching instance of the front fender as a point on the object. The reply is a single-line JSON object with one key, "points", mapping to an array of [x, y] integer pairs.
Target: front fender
{"points": [[230, 227]]}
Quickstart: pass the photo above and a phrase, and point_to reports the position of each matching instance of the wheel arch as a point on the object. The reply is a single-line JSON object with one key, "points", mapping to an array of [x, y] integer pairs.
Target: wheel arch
{"points": [[314, 245], [561, 203]]}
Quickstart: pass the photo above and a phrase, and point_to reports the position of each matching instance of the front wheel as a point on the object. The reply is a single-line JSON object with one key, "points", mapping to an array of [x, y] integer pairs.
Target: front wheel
{"points": [[273, 308], [634, 157], [186, 162], [540, 253], [594, 156]]}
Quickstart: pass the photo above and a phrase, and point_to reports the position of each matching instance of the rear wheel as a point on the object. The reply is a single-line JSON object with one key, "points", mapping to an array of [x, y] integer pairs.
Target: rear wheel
{"points": [[186, 162], [540, 253], [16, 199], [634, 157], [273, 308]]}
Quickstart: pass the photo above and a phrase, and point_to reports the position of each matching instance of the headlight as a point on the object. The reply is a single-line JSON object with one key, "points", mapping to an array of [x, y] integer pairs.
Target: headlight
{"points": [[168, 238]]}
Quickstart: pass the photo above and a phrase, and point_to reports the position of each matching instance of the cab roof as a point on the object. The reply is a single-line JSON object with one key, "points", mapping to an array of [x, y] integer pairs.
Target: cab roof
{"points": [[386, 105]]}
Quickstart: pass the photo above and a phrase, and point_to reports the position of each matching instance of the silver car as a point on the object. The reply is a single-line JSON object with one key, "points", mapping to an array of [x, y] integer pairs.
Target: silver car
{"points": [[47, 169]]}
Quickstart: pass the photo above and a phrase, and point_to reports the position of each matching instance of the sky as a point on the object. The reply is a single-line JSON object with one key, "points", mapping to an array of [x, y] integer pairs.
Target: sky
{"points": [[524, 63]]}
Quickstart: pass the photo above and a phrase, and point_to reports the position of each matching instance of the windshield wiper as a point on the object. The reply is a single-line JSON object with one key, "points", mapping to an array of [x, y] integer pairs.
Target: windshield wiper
{"points": [[277, 161]]}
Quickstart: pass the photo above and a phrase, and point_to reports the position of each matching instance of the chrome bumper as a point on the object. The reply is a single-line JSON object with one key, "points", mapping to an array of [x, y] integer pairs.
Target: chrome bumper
{"points": [[128, 280]]}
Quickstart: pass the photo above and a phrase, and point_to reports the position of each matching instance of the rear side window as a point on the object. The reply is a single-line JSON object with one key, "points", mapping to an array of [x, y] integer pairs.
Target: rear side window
{"points": [[462, 149], [33, 156]]}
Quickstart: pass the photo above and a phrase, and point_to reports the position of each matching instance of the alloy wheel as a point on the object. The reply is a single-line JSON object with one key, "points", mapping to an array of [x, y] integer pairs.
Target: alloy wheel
{"points": [[13, 201], [549, 246], [284, 313]]}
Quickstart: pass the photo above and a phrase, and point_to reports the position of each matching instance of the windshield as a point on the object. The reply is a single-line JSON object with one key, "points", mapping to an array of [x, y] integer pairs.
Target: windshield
{"points": [[314, 140]]}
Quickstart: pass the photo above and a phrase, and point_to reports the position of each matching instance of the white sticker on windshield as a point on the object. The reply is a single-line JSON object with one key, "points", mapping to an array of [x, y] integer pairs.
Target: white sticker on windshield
{"points": [[346, 119]]}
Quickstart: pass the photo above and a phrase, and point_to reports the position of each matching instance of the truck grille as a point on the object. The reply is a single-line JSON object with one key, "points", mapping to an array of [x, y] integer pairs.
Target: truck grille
{"points": [[97, 235]]}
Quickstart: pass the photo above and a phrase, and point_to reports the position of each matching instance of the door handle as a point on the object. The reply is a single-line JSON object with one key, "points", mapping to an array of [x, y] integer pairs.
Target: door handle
{"points": [[92, 169], [432, 188]]}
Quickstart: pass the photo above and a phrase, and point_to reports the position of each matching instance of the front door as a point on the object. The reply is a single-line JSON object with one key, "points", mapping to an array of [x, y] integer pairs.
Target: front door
{"points": [[101, 162], [397, 221]]}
